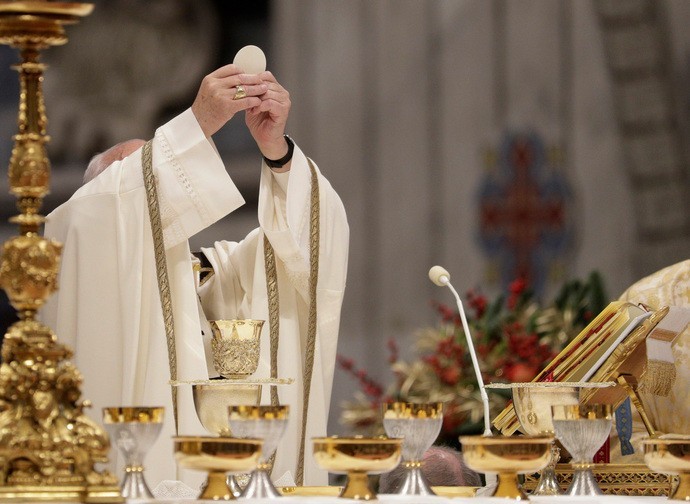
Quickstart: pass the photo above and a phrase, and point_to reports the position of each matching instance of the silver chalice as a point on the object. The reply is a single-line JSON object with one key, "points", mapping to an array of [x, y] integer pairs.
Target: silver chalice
{"points": [[268, 424], [133, 430], [419, 425], [582, 429]]}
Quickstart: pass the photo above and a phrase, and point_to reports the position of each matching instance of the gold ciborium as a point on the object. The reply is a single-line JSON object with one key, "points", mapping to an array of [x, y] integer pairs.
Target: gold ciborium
{"points": [[582, 429], [507, 457], [235, 346], [357, 457], [670, 455], [133, 430], [419, 425], [267, 423], [218, 456]]}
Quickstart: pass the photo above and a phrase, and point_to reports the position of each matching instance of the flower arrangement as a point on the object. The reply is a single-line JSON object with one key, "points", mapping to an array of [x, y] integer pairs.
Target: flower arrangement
{"points": [[514, 336]]}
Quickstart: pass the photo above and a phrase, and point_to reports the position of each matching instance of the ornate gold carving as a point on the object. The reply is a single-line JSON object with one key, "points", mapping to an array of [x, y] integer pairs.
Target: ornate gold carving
{"points": [[615, 479], [48, 446]]}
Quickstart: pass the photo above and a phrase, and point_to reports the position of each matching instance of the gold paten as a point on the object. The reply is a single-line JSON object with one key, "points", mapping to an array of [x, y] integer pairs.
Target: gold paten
{"points": [[357, 457], [670, 456], [48, 446], [218, 456], [507, 457]]}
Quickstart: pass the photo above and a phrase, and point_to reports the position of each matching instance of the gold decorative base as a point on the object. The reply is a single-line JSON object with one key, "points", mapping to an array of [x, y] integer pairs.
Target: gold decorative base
{"points": [[615, 479], [89, 494]]}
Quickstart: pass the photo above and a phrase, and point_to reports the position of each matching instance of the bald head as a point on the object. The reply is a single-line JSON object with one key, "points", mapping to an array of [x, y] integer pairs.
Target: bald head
{"points": [[441, 466], [117, 152]]}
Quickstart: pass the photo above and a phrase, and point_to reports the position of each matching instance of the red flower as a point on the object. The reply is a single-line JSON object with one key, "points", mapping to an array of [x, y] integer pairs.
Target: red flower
{"points": [[520, 372], [450, 375]]}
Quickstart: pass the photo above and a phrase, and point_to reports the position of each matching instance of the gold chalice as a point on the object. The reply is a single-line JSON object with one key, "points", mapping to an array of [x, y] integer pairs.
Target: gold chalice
{"points": [[133, 430], [218, 456], [670, 455], [419, 425], [582, 429], [507, 457], [235, 346], [267, 423], [212, 400], [357, 457]]}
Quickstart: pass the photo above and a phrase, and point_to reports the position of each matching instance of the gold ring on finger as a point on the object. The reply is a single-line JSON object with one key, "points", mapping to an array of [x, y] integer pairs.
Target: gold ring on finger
{"points": [[240, 93]]}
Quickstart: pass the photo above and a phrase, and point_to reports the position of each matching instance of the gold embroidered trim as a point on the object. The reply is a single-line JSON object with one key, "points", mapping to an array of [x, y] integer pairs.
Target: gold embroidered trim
{"points": [[274, 312], [161, 264], [659, 378], [315, 216]]}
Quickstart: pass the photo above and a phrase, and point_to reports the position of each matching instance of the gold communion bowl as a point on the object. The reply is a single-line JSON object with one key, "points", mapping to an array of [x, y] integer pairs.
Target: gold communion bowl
{"points": [[507, 457], [211, 401], [670, 456], [218, 456], [235, 346], [357, 457]]}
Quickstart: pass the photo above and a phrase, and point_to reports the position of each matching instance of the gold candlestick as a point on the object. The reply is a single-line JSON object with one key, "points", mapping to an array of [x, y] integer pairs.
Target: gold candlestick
{"points": [[48, 446]]}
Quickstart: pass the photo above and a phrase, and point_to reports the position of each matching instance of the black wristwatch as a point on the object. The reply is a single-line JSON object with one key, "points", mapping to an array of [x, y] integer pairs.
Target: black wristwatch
{"points": [[279, 163]]}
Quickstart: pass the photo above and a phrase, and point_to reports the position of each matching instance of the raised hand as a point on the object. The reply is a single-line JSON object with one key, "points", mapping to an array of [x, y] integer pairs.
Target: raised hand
{"points": [[267, 120], [216, 101]]}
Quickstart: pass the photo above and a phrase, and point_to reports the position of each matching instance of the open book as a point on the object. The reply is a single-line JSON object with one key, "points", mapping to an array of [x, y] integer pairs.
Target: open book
{"points": [[609, 349]]}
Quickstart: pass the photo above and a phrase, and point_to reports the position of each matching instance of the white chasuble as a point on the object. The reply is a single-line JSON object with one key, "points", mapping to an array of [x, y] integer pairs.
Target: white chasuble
{"points": [[238, 290], [108, 306]]}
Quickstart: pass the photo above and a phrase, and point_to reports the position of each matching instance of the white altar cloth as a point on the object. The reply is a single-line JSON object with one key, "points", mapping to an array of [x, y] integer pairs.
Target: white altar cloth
{"points": [[415, 499]]}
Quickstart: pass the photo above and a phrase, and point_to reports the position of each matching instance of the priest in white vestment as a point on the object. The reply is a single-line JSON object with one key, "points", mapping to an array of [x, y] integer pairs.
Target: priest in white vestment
{"points": [[108, 307]]}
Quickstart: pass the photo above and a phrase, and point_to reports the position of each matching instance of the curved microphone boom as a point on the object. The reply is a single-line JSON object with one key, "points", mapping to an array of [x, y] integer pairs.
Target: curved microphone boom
{"points": [[441, 277]]}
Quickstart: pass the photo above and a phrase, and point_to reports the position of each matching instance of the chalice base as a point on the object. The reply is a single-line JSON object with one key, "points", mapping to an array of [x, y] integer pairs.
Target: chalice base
{"points": [[584, 483], [216, 487], [548, 483], [415, 483], [260, 486], [682, 491], [509, 488], [357, 487], [134, 485]]}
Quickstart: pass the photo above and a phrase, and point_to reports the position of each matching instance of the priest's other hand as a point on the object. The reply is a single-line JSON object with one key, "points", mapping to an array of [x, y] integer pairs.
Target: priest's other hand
{"points": [[266, 122], [216, 101]]}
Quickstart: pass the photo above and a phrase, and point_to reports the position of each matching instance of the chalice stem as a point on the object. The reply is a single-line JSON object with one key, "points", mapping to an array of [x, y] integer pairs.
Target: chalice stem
{"points": [[548, 482], [216, 487], [682, 491], [260, 486], [134, 485], [415, 483], [584, 482], [357, 487], [509, 487]]}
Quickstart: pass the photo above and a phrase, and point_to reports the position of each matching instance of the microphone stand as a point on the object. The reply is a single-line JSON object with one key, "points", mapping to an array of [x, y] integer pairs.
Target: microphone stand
{"points": [[473, 355]]}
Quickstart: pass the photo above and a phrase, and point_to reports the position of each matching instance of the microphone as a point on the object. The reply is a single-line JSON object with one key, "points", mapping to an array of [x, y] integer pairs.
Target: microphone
{"points": [[440, 276]]}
